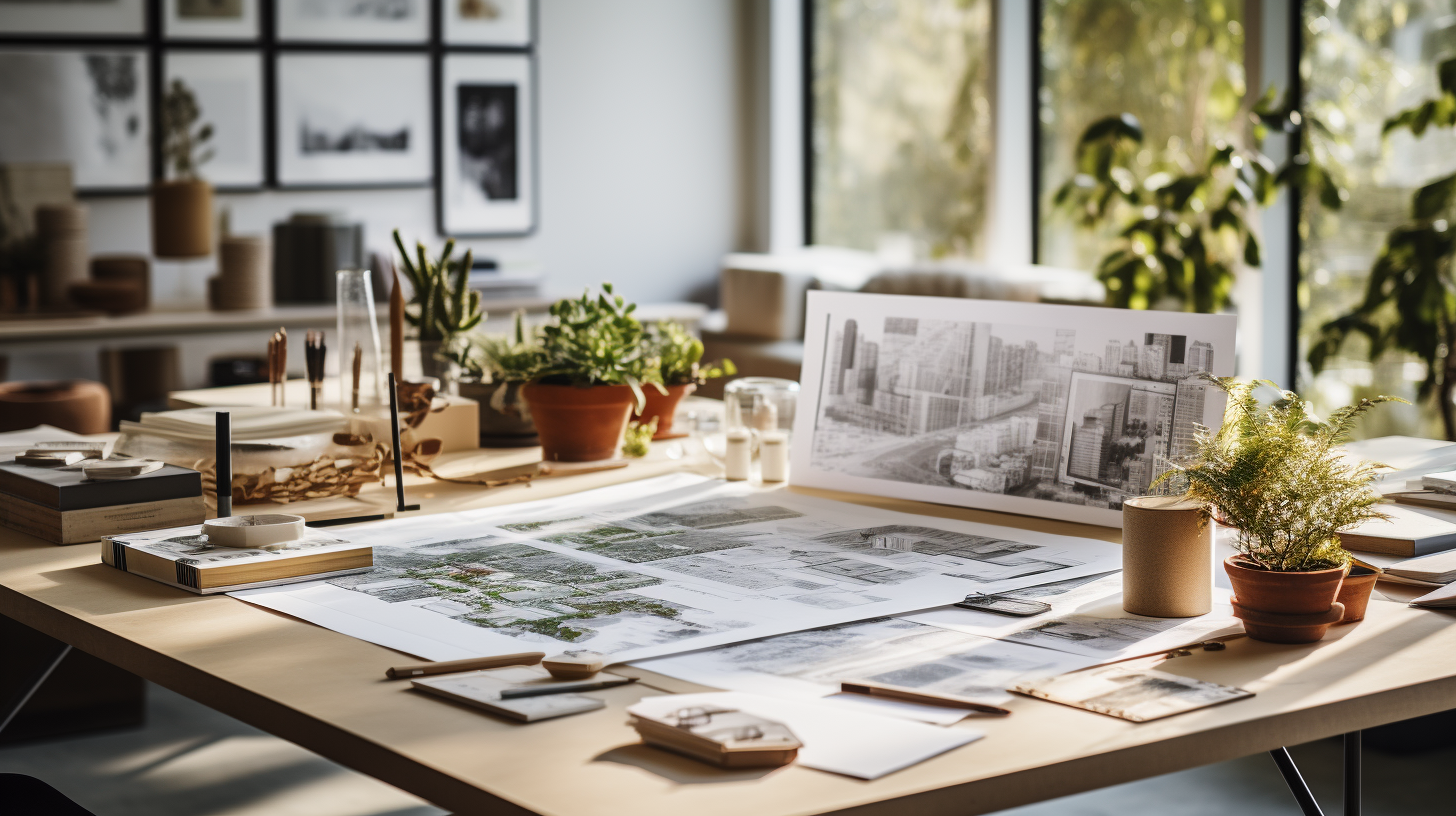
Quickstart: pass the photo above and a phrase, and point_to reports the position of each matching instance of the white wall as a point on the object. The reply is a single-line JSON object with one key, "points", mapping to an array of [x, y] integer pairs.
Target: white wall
{"points": [[641, 158]]}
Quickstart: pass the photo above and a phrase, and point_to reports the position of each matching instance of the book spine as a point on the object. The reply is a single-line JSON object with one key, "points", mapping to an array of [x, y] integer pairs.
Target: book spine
{"points": [[78, 526], [188, 576]]}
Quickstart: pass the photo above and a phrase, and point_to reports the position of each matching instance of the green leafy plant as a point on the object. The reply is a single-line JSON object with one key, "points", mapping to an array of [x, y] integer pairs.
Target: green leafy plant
{"points": [[443, 307], [509, 358], [182, 137], [1273, 471], [681, 354], [1182, 234], [637, 441], [1410, 298], [596, 341]]}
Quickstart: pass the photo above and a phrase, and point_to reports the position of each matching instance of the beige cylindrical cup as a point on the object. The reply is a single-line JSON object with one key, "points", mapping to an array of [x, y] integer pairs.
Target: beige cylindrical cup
{"points": [[245, 274], [1167, 557]]}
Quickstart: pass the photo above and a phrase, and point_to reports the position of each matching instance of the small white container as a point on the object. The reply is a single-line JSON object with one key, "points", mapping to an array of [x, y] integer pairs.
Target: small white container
{"points": [[738, 455], [773, 456]]}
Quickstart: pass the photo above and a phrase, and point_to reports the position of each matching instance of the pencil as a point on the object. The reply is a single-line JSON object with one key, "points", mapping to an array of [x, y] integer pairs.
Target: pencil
{"points": [[282, 367], [914, 696], [468, 664], [563, 688], [358, 369]]}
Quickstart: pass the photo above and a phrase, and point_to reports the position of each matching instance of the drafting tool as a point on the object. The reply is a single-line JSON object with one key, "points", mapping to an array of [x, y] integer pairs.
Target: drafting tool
{"points": [[468, 664], [564, 688], [910, 695]]}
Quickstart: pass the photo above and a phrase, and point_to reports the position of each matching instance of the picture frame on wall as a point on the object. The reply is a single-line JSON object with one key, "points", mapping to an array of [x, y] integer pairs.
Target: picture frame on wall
{"points": [[360, 21], [487, 170], [210, 19], [353, 120], [110, 18], [86, 107], [228, 86], [499, 23]]}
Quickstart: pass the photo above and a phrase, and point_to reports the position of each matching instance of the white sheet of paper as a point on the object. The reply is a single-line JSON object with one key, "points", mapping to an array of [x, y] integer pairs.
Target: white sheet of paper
{"points": [[1093, 626], [835, 738], [664, 566]]}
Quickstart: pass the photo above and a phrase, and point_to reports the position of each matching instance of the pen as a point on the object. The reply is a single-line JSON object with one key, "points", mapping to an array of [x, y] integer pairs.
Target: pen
{"points": [[563, 688], [468, 664], [923, 697]]}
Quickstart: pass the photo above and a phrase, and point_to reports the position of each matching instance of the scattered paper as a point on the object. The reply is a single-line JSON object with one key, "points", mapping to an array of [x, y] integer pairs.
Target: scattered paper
{"points": [[835, 739], [1132, 693], [665, 566]]}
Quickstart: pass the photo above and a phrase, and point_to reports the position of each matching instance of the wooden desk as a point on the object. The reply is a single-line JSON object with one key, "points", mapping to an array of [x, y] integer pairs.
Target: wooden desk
{"points": [[326, 692]]}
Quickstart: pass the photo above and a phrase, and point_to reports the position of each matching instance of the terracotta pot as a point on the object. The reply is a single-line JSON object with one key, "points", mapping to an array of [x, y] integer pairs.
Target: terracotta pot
{"points": [[509, 426], [182, 219], [579, 424], [1284, 607], [663, 406], [1355, 592]]}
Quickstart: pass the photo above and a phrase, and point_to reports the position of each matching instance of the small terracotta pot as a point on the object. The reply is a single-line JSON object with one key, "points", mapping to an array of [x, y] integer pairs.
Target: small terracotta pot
{"points": [[1355, 592], [579, 424], [1305, 598], [182, 219], [663, 406]]}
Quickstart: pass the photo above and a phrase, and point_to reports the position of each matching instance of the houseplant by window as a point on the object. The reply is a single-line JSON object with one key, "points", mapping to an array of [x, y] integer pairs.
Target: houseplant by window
{"points": [[682, 371], [182, 204], [1273, 472], [494, 368], [594, 362], [442, 308]]}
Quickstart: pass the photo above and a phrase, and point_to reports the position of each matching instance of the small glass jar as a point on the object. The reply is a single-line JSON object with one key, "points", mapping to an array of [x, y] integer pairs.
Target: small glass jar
{"points": [[760, 404], [361, 366]]}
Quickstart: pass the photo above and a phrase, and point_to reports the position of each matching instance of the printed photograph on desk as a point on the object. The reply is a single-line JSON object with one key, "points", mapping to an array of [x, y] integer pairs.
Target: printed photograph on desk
{"points": [[695, 564], [1044, 410]]}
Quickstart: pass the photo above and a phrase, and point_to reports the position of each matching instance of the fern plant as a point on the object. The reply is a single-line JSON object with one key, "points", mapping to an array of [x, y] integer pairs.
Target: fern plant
{"points": [[1273, 471], [444, 307]]}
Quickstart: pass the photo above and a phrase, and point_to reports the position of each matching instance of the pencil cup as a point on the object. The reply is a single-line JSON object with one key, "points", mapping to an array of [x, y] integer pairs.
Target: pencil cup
{"points": [[1167, 557]]}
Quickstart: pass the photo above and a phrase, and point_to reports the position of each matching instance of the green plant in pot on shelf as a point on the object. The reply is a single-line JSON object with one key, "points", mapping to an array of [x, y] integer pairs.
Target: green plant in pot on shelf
{"points": [[594, 365], [1274, 472], [494, 369], [182, 204], [681, 370], [443, 308]]}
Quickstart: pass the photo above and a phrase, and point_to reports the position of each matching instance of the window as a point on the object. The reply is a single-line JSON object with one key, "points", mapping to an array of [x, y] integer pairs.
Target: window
{"points": [[901, 128], [1177, 65], [1363, 61]]}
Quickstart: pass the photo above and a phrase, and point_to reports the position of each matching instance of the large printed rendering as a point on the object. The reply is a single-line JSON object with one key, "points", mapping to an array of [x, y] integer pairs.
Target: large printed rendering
{"points": [[1017, 401]]}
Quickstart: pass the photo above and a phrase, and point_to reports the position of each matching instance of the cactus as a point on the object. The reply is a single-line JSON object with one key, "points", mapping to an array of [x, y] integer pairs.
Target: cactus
{"points": [[444, 305]]}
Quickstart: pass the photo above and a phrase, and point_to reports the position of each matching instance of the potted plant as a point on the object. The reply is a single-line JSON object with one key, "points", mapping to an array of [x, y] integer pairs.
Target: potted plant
{"points": [[182, 204], [1273, 472], [442, 308], [681, 373], [593, 364], [494, 369]]}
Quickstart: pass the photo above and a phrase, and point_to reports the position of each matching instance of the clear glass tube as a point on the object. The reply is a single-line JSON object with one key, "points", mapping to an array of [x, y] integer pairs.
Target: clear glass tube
{"points": [[361, 372]]}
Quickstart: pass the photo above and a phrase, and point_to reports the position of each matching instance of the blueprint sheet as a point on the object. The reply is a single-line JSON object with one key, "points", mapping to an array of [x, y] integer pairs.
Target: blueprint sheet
{"points": [[664, 566]]}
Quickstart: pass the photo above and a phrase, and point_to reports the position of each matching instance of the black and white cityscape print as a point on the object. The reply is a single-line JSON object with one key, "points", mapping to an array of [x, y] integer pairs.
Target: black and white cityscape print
{"points": [[1030, 411]]}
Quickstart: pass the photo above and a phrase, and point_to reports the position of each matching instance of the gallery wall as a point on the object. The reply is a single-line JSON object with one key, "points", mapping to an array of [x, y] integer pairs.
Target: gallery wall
{"points": [[643, 166]]}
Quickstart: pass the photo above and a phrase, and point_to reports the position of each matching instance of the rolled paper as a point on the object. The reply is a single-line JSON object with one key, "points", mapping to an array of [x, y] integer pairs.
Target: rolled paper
{"points": [[1167, 557], [738, 456], [773, 456]]}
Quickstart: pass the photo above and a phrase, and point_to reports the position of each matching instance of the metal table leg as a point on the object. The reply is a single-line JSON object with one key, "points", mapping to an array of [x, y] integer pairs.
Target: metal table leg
{"points": [[34, 685], [1306, 801]]}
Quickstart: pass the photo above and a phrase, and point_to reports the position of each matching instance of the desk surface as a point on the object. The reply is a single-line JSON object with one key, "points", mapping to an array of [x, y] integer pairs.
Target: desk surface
{"points": [[326, 692]]}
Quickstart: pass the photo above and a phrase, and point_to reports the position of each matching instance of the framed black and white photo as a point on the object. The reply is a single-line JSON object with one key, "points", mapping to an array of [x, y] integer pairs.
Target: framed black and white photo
{"points": [[66, 18], [362, 21], [500, 23], [487, 182], [86, 107], [229, 90], [210, 19], [353, 120]]}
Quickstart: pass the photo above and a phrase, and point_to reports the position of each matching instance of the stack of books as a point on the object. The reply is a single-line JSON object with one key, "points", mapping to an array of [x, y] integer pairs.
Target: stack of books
{"points": [[1408, 532], [184, 558], [61, 505]]}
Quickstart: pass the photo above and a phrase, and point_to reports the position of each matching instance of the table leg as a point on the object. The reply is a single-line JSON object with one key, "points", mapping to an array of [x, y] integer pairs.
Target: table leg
{"points": [[1352, 774], [27, 691], [1307, 804]]}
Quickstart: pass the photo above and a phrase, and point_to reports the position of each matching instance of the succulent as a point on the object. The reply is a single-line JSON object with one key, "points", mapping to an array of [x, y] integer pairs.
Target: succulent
{"points": [[444, 307], [597, 341], [681, 355], [182, 137]]}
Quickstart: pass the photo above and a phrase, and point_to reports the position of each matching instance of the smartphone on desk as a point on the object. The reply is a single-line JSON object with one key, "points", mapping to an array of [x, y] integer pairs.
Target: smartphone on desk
{"points": [[1004, 605]]}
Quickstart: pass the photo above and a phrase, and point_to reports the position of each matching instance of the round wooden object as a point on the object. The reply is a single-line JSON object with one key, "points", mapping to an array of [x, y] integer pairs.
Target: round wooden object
{"points": [[575, 665], [1167, 557], [78, 406], [254, 532]]}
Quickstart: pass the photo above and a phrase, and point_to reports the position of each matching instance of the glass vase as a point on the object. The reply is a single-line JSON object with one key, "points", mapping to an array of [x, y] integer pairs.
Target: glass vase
{"points": [[361, 365]]}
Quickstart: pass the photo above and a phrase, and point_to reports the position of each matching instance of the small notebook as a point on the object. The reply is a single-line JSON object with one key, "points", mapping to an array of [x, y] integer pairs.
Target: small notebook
{"points": [[1439, 568], [482, 689], [1443, 598], [1130, 693]]}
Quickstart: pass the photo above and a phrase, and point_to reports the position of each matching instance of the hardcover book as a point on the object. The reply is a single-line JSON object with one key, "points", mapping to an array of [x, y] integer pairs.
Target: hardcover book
{"points": [[79, 526], [182, 557], [67, 488]]}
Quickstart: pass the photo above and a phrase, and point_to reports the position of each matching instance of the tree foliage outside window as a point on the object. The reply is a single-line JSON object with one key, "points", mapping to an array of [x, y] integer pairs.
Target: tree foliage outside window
{"points": [[1365, 61], [1175, 65], [901, 124]]}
